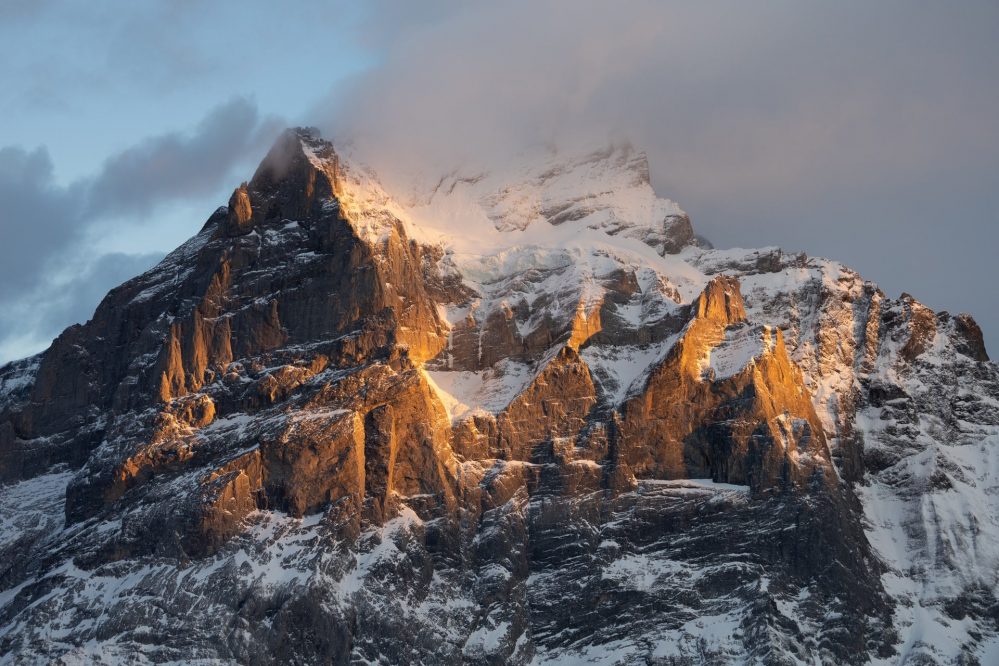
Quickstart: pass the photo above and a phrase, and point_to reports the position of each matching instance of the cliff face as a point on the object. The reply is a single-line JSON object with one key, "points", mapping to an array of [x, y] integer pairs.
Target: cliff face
{"points": [[503, 421]]}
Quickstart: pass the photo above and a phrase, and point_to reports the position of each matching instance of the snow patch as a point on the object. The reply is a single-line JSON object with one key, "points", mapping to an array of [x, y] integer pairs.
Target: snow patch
{"points": [[621, 371], [465, 393]]}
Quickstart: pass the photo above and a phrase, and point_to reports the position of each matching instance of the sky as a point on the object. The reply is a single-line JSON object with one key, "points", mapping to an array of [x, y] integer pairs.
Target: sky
{"points": [[864, 132]]}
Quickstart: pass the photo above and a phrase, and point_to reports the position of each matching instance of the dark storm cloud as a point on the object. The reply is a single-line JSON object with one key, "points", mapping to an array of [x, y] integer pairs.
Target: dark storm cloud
{"points": [[46, 226], [868, 132]]}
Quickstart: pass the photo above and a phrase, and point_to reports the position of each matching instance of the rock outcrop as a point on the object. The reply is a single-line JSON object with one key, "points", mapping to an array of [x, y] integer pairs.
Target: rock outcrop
{"points": [[746, 418]]}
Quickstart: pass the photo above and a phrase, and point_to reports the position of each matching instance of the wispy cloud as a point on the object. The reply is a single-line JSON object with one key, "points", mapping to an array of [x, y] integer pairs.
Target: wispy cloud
{"points": [[49, 228], [864, 131], [730, 98], [180, 165]]}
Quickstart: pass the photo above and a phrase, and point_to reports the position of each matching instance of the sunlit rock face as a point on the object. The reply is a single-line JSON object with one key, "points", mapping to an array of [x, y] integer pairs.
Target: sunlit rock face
{"points": [[518, 417]]}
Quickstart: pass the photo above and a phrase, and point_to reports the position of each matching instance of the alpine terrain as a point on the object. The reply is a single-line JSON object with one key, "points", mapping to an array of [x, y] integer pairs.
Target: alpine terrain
{"points": [[523, 416]]}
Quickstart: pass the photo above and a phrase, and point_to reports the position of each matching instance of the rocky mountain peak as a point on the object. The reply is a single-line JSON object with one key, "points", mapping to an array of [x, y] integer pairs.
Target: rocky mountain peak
{"points": [[721, 301], [519, 417], [971, 342], [240, 213], [298, 174]]}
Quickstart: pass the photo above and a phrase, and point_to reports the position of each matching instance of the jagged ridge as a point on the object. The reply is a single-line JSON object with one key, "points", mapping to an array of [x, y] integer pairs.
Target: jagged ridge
{"points": [[359, 429]]}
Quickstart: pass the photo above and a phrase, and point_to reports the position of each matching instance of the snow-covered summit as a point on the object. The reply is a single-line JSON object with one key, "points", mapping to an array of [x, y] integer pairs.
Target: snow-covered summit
{"points": [[606, 190], [413, 422]]}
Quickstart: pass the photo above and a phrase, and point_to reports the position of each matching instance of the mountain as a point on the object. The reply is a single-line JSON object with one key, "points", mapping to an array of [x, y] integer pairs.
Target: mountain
{"points": [[522, 416]]}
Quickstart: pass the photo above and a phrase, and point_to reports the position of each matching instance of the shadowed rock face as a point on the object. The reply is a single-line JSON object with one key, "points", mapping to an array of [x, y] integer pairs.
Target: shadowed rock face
{"points": [[311, 435]]}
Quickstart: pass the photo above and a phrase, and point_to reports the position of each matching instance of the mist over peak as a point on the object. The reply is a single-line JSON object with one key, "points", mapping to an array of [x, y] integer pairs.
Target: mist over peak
{"points": [[775, 123]]}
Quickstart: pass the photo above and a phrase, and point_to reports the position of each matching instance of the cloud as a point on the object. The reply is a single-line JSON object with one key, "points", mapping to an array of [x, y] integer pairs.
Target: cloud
{"points": [[53, 231], [177, 165], [866, 131], [728, 97], [163, 53], [39, 217], [43, 310]]}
